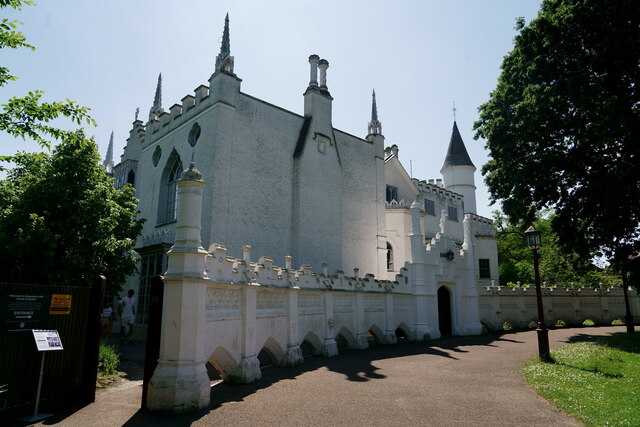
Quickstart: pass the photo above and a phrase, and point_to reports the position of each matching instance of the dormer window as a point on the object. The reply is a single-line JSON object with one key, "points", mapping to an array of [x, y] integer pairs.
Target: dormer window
{"points": [[392, 193]]}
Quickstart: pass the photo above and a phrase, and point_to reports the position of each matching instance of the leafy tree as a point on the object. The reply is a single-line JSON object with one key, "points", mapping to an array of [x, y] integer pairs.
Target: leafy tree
{"points": [[563, 125], [28, 116], [62, 221]]}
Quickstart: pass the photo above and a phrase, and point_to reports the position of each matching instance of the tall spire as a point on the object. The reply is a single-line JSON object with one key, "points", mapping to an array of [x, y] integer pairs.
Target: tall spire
{"points": [[225, 48], [108, 160], [224, 60], [374, 108], [375, 127], [456, 153], [156, 108]]}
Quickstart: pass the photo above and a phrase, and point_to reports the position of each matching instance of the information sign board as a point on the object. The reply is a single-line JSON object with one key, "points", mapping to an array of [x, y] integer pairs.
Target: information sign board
{"points": [[47, 340], [23, 312]]}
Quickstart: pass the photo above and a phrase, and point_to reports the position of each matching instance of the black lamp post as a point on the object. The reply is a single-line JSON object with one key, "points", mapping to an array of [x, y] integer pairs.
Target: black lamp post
{"points": [[628, 318], [534, 242]]}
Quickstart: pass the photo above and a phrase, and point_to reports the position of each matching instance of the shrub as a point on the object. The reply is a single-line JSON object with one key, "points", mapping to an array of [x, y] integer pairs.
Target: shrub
{"points": [[561, 323], [588, 322], [507, 326], [108, 360]]}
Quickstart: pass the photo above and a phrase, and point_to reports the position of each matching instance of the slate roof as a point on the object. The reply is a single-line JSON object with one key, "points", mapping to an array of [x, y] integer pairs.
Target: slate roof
{"points": [[456, 153]]}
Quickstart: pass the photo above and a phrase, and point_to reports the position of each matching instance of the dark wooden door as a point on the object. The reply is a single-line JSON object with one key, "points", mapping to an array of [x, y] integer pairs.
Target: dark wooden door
{"points": [[444, 310]]}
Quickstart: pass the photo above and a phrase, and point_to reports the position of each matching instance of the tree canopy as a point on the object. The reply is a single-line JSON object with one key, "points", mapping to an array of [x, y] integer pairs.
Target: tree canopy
{"points": [[62, 221], [563, 124]]}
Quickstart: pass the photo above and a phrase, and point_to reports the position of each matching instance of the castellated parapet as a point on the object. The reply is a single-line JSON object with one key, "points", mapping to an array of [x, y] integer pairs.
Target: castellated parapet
{"points": [[223, 268], [436, 190], [191, 106]]}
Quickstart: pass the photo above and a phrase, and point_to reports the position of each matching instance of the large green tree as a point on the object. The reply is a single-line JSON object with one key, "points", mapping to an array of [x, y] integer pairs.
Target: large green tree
{"points": [[563, 124], [62, 221]]}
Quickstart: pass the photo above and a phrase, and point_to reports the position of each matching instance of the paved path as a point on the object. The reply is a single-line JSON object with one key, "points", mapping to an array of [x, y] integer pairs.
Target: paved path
{"points": [[453, 381]]}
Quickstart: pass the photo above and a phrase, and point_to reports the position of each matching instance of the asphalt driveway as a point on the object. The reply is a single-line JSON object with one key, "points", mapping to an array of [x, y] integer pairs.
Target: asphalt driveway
{"points": [[452, 381]]}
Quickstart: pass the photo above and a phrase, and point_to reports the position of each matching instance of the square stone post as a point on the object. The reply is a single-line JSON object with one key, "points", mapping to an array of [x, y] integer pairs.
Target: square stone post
{"points": [[361, 331], [180, 382], [390, 329], [330, 347], [249, 367], [293, 355]]}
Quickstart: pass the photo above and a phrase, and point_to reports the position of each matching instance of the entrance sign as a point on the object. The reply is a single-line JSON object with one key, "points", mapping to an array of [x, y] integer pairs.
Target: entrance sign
{"points": [[47, 340], [60, 304], [23, 312]]}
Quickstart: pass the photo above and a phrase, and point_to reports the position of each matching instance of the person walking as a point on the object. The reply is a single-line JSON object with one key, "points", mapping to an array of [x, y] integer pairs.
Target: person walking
{"points": [[128, 316], [107, 320]]}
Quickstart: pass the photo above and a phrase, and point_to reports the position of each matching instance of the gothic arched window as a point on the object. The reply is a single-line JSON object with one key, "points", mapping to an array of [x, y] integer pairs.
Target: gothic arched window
{"points": [[389, 257], [131, 178], [168, 206]]}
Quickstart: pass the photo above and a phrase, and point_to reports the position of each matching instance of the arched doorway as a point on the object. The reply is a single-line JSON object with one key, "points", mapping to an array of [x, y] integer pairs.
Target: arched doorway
{"points": [[444, 310]]}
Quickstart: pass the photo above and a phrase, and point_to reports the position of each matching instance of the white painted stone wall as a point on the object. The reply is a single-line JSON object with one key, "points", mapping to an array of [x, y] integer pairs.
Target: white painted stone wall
{"points": [[517, 305]]}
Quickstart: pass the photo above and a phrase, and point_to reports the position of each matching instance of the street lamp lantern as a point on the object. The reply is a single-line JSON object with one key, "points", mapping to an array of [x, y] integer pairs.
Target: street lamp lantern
{"points": [[534, 242], [533, 237]]}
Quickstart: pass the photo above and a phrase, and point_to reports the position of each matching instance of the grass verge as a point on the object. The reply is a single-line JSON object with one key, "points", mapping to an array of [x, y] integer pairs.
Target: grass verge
{"points": [[597, 382]]}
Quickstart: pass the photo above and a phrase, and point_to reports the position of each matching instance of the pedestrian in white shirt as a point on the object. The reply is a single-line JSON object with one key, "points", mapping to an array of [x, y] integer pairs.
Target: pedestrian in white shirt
{"points": [[128, 316]]}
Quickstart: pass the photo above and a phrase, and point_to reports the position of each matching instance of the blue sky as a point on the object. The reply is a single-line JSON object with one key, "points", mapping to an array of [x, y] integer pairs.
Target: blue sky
{"points": [[420, 56]]}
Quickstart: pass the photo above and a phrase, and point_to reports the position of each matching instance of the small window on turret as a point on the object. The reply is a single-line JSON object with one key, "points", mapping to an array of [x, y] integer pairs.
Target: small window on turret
{"points": [[389, 257]]}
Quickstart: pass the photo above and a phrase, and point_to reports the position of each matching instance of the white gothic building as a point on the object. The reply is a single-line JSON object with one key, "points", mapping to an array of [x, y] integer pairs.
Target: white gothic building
{"points": [[292, 236], [289, 184]]}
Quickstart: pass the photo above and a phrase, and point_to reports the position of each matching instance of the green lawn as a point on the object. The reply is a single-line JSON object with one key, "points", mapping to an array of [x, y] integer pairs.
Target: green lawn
{"points": [[597, 382]]}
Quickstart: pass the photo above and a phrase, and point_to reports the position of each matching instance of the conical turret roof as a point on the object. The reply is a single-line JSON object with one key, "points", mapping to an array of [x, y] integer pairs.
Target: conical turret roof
{"points": [[456, 153]]}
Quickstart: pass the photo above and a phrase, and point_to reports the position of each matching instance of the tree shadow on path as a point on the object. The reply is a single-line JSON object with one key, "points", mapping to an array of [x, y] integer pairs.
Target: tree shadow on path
{"points": [[615, 340]]}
